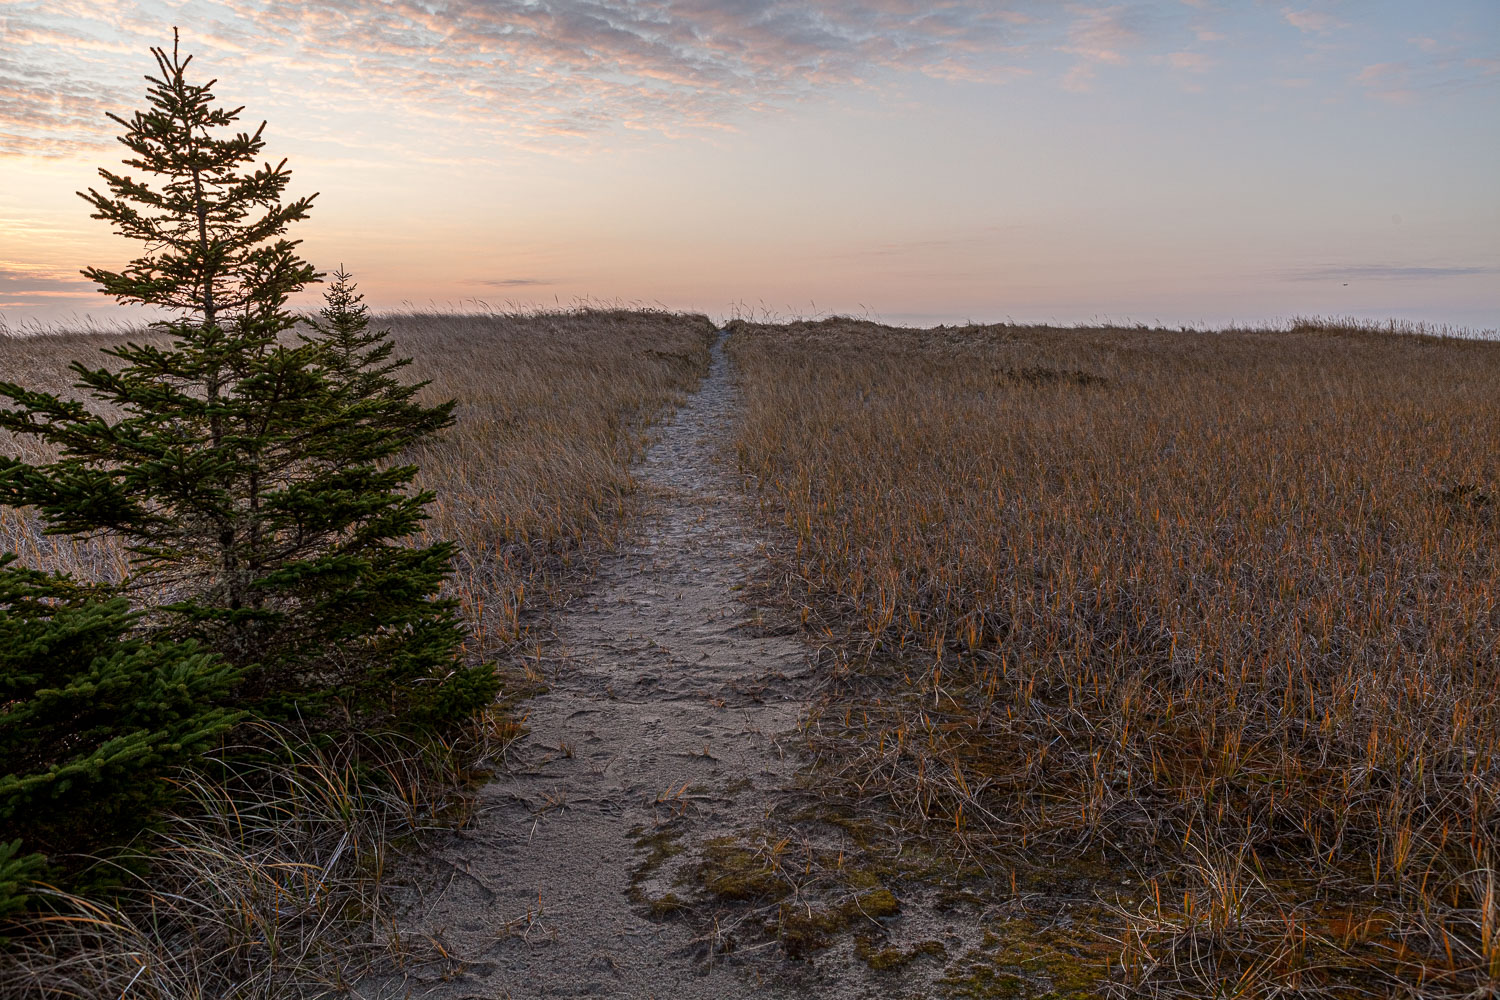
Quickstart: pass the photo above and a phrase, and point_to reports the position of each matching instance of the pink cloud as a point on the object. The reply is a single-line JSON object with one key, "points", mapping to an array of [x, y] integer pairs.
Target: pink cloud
{"points": [[1191, 62], [1387, 81], [1409, 81], [1101, 34], [537, 68], [1311, 21], [1079, 79]]}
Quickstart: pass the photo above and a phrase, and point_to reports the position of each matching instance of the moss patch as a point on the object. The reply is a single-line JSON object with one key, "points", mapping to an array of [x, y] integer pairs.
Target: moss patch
{"points": [[661, 845], [665, 906], [1020, 958], [892, 957], [803, 928], [732, 871], [982, 981], [809, 896]]}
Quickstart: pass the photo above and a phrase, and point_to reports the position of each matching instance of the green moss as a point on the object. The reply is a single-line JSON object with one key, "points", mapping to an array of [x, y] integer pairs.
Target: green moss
{"points": [[661, 845], [835, 897], [665, 906], [804, 929], [892, 957], [733, 872], [982, 982], [1021, 942], [1045, 963], [876, 903]]}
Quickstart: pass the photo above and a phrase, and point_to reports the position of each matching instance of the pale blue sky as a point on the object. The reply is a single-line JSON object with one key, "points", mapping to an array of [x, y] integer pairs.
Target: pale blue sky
{"points": [[1188, 162]]}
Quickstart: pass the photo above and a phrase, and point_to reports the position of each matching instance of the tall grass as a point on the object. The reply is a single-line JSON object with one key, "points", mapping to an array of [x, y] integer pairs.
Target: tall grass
{"points": [[1210, 622], [269, 882], [553, 407], [531, 480]]}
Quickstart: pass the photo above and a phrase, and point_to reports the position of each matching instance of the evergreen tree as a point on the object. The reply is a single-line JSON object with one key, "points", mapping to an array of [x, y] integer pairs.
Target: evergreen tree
{"points": [[93, 718], [251, 480], [358, 364], [17, 873]]}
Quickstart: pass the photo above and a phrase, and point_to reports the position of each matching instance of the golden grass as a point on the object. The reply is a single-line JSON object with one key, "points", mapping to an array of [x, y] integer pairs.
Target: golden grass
{"points": [[269, 885], [532, 479], [273, 885], [1208, 620]]}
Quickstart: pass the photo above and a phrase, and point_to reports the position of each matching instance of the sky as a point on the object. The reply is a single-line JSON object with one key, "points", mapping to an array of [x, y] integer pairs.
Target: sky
{"points": [[947, 161]]}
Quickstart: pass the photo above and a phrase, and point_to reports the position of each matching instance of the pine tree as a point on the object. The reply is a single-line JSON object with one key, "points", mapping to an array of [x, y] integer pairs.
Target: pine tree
{"points": [[357, 362], [251, 480], [93, 718], [382, 419], [18, 872]]}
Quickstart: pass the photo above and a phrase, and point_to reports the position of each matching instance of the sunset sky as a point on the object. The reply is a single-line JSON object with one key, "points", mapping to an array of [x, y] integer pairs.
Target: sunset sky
{"points": [[1188, 161]]}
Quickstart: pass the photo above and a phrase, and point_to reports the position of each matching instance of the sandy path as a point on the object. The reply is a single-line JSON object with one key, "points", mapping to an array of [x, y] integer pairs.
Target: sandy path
{"points": [[665, 704]]}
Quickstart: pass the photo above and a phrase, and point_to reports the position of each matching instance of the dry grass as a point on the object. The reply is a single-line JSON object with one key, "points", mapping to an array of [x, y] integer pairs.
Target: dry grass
{"points": [[268, 885], [274, 887], [531, 481], [534, 477], [39, 360], [1206, 622]]}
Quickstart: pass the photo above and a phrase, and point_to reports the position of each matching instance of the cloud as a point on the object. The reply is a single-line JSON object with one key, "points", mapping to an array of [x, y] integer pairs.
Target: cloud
{"points": [[444, 79], [1408, 81], [1191, 62], [1388, 81], [1381, 272], [513, 282], [44, 102], [951, 69], [20, 279], [1311, 21], [1102, 36], [28, 287], [523, 69], [1079, 79]]}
